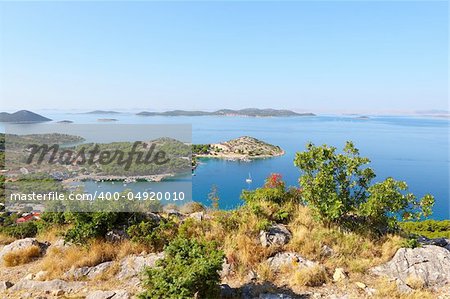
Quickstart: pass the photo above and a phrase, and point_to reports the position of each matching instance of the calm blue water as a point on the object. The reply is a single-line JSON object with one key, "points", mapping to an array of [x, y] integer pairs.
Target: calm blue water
{"points": [[412, 149]]}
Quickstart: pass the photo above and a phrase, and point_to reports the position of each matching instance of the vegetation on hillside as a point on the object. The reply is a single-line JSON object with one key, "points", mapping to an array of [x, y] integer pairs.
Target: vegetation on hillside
{"points": [[335, 206]]}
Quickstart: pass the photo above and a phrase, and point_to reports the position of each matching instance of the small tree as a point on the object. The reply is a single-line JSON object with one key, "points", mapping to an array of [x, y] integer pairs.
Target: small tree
{"points": [[190, 269], [213, 196], [338, 188]]}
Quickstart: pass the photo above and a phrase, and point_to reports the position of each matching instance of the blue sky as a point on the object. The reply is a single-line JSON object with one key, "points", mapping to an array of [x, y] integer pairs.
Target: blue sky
{"points": [[313, 56]]}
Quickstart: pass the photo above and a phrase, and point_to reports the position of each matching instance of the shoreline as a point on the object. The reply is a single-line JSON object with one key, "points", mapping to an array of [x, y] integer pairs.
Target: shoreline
{"points": [[241, 157], [133, 178]]}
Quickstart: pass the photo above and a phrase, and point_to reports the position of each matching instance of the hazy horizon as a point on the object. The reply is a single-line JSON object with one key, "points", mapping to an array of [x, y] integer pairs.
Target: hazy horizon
{"points": [[319, 57]]}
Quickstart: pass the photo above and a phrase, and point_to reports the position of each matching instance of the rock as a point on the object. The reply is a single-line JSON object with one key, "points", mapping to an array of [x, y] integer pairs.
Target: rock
{"points": [[197, 216], [133, 265], [22, 244], [41, 275], [430, 263], [30, 276], [441, 242], [57, 293], [274, 296], [276, 235], [288, 259], [88, 272], [252, 275], [174, 213], [153, 216], [108, 295], [60, 243], [339, 275], [116, 235], [101, 295], [327, 251], [360, 285], [226, 291], [4, 285], [227, 268], [51, 285]]}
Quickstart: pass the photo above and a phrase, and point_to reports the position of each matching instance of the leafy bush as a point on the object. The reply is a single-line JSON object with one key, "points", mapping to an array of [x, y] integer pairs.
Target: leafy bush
{"points": [[97, 224], [189, 269], [338, 188], [20, 230], [155, 234]]}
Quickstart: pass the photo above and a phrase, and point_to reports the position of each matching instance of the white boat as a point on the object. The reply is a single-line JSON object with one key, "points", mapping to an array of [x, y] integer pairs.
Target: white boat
{"points": [[249, 179]]}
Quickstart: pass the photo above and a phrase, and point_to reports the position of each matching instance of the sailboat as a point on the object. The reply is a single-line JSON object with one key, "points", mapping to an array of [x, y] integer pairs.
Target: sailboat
{"points": [[249, 179]]}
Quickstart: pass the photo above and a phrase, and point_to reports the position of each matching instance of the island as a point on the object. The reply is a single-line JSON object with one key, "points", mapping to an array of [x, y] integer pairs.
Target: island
{"points": [[64, 122], [107, 119], [22, 116], [248, 112], [243, 148], [101, 112]]}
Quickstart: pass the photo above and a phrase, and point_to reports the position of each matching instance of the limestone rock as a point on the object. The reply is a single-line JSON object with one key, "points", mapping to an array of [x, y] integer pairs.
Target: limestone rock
{"points": [[4, 285], [133, 265], [430, 263], [276, 235], [51, 285], [88, 272], [288, 259], [22, 244], [339, 275]]}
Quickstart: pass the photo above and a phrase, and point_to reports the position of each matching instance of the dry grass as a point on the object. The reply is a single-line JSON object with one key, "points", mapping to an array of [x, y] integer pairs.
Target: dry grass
{"points": [[59, 260], [415, 283], [310, 277], [21, 256], [389, 289], [265, 273], [353, 252], [5, 239], [52, 234]]}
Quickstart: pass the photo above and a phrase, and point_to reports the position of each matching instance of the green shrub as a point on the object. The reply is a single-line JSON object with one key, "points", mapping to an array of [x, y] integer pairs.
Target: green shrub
{"points": [[339, 190], [153, 233], [427, 228], [97, 224], [189, 269], [21, 230]]}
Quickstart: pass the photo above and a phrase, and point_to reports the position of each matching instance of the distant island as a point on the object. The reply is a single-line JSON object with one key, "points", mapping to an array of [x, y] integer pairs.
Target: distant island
{"points": [[250, 112], [242, 148], [107, 119], [64, 122], [101, 112], [22, 116]]}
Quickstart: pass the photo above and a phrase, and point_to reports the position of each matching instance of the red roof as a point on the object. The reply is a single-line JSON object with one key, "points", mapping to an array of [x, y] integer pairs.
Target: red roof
{"points": [[33, 216]]}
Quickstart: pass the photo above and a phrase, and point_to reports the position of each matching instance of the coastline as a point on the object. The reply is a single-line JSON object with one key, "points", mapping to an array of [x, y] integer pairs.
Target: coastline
{"points": [[234, 156]]}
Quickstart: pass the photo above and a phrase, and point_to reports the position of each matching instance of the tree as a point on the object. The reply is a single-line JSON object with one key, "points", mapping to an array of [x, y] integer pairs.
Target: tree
{"points": [[338, 187], [189, 269], [214, 197]]}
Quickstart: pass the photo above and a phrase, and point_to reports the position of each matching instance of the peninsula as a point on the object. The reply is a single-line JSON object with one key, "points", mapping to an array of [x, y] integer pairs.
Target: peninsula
{"points": [[242, 148]]}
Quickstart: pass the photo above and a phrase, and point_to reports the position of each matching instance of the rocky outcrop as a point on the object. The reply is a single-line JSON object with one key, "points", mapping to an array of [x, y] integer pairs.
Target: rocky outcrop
{"points": [[429, 263], [88, 272], [108, 295], [49, 286], [22, 244], [133, 265], [276, 235], [288, 259]]}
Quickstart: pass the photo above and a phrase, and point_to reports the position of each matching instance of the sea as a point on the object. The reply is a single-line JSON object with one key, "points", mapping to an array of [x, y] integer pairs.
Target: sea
{"points": [[408, 148]]}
